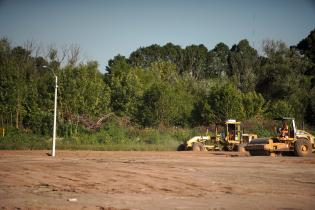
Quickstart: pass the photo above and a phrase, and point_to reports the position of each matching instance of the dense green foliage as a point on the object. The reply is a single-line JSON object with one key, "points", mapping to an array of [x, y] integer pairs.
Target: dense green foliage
{"points": [[158, 87]]}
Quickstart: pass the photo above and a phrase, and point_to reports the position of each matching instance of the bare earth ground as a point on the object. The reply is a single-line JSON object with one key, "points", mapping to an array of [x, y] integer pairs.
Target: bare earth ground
{"points": [[154, 180]]}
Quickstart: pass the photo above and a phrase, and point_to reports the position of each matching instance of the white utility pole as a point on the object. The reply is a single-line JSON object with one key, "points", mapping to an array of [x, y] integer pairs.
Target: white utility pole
{"points": [[53, 150]]}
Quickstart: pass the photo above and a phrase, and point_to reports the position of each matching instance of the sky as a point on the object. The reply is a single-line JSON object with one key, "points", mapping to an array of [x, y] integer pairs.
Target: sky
{"points": [[106, 28]]}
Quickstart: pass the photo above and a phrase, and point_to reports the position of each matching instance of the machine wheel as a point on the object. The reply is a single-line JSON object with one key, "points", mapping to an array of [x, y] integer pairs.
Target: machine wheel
{"points": [[302, 148], [181, 147], [197, 147], [230, 147]]}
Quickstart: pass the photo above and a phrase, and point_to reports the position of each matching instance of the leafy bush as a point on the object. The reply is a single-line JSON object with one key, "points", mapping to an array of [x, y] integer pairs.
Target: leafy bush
{"points": [[280, 108], [263, 132], [253, 104], [16, 139]]}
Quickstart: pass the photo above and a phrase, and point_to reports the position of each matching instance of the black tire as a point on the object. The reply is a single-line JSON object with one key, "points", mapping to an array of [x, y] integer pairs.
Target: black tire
{"points": [[181, 147], [198, 147], [230, 147], [302, 148]]}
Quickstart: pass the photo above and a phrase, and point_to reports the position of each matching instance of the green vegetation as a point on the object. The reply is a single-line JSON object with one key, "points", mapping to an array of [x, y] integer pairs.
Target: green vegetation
{"points": [[112, 136], [158, 96]]}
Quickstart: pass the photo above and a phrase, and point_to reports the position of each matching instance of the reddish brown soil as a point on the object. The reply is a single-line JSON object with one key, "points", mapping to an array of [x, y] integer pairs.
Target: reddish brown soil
{"points": [[154, 180]]}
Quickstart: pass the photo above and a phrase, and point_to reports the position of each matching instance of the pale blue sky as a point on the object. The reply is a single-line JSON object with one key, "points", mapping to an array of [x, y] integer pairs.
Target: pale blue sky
{"points": [[106, 28]]}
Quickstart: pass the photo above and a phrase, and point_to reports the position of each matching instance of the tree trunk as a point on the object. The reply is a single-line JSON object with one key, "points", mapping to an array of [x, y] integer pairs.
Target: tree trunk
{"points": [[2, 121], [11, 119], [17, 113], [17, 117]]}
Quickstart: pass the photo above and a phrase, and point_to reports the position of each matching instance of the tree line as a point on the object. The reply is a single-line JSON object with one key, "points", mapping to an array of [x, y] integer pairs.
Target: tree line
{"points": [[159, 85]]}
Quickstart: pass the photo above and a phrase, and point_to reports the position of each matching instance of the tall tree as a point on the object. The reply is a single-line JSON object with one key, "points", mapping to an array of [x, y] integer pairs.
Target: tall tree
{"points": [[282, 76], [307, 46], [218, 61], [166, 100], [144, 56], [220, 103], [173, 53], [83, 92], [244, 61], [124, 85], [196, 60]]}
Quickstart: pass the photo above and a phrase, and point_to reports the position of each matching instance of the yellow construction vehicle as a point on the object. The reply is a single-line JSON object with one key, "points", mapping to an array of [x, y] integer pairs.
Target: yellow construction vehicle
{"points": [[227, 137], [288, 140]]}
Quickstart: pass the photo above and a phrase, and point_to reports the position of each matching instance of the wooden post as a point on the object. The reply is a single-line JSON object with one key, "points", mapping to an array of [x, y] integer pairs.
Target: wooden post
{"points": [[2, 131]]}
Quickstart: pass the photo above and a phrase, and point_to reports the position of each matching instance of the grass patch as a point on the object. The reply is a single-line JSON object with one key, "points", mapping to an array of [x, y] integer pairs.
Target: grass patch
{"points": [[16, 139], [111, 137], [118, 147]]}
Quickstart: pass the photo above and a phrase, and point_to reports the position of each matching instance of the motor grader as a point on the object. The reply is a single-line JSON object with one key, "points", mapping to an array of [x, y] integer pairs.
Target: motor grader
{"points": [[293, 141], [227, 137]]}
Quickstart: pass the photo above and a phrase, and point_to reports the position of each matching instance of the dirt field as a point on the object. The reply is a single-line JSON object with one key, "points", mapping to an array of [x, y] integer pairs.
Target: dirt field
{"points": [[154, 180]]}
